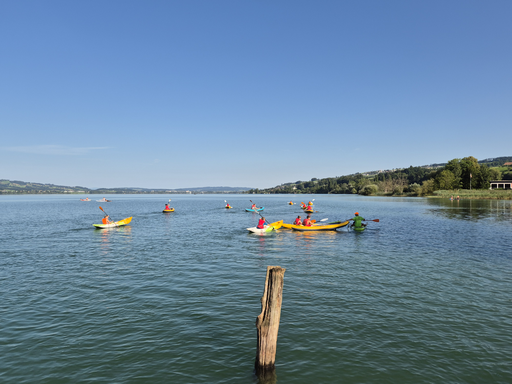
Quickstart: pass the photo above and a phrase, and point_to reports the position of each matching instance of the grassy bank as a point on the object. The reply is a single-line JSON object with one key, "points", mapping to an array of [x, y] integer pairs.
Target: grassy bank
{"points": [[494, 194]]}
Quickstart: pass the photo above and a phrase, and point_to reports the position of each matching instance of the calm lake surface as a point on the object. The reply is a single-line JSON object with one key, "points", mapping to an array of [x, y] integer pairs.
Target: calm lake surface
{"points": [[424, 296]]}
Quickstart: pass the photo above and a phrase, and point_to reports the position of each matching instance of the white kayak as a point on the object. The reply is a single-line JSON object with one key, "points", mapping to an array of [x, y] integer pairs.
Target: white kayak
{"points": [[268, 228]]}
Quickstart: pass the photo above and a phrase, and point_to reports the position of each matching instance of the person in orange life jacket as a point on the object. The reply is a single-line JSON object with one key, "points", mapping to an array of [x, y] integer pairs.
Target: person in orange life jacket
{"points": [[297, 221], [261, 223], [106, 220], [254, 206], [307, 221]]}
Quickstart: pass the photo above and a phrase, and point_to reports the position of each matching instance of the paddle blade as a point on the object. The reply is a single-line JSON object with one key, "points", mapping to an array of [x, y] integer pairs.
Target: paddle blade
{"points": [[376, 220], [313, 221], [102, 209], [324, 219]]}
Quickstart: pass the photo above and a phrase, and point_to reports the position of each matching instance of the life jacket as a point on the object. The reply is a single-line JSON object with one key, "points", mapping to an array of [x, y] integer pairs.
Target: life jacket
{"points": [[307, 222], [105, 220], [261, 224], [297, 221], [254, 206]]}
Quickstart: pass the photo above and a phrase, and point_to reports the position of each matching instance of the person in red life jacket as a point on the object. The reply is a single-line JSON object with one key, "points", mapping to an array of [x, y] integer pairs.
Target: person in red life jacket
{"points": [[307, 221], [106, 220], [167, 207], [297, 221], [309, 208], [254, 207], [261, 223], [228, 206]]}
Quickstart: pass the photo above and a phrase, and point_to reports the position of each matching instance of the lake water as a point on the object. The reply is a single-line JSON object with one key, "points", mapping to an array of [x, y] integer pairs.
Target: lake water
{"points": [[424, 296]]}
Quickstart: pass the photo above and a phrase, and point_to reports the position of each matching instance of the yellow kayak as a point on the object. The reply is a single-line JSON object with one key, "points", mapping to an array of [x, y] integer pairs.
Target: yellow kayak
{"points": [[168, 210], [115, 224], [317, 227]]}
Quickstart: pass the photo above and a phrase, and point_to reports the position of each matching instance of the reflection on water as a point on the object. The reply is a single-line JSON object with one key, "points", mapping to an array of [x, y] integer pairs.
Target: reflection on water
{"points": [[109, 236], [472, 209]]}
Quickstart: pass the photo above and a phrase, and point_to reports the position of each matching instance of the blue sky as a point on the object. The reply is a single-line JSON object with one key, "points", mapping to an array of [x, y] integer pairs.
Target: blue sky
{"points": [[173, 94]]}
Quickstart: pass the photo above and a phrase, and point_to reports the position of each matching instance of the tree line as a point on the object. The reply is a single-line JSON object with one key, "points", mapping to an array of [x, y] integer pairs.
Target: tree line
{"points": [[414, 181]]}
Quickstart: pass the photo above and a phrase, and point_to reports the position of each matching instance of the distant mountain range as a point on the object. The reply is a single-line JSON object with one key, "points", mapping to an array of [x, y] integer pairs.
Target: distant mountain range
{"points": [[9, 187]]}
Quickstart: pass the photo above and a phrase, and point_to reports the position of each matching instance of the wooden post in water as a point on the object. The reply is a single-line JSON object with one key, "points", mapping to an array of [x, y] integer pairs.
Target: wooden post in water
{"points": [[267, 323]]}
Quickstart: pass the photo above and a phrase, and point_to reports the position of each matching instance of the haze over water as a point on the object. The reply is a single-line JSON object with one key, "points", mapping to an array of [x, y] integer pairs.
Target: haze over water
{"points": [[421, 297]]}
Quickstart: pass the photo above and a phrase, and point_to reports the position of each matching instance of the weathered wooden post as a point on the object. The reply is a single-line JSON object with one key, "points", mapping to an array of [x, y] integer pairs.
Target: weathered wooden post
{"points": [[267, 323]]}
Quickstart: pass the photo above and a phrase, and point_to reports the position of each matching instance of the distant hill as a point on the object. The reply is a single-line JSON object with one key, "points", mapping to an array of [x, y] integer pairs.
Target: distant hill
{"points": [[9, 187]]}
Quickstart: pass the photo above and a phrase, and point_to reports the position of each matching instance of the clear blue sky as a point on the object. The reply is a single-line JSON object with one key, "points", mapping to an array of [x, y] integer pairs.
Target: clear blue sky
{"points": [[171, 94]]}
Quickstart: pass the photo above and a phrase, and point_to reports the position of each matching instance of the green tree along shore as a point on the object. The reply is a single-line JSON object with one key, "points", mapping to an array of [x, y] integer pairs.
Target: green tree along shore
{"points": [[467, 178]]}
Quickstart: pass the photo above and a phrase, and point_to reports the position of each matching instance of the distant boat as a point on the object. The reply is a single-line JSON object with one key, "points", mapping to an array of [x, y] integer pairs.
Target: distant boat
{"points": [[103, 201], [86, 199]]}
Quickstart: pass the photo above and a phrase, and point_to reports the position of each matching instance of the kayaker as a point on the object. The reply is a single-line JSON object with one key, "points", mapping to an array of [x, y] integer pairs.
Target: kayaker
{"points": [[261, 223], [106, 220], [254, 206], [310, 203], [297, 221], [309, 207], [358, 221], [167, 207], [228, 206], [307, 221]]}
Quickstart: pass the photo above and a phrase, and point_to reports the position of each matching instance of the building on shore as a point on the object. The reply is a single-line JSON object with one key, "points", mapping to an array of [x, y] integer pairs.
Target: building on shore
{"points": [[501, 184]]}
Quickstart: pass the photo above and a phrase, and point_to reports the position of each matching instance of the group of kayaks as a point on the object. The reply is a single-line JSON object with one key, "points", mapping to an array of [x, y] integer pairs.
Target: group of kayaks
{"points": [[316, 226], [280, 224]]}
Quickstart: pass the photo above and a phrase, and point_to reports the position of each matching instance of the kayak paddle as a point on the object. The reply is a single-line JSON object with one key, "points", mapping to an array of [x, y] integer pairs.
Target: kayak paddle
{"points": [[376, 220], [260, 214], [315, 221]]}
